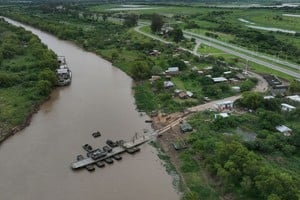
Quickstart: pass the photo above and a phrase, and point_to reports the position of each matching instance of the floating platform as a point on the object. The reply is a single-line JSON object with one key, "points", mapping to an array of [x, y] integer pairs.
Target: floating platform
{"points": [[115, 151]]}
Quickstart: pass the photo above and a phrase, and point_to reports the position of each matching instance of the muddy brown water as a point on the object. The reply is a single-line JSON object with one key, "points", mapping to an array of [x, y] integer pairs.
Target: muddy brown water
{"points": [[35, 163]]}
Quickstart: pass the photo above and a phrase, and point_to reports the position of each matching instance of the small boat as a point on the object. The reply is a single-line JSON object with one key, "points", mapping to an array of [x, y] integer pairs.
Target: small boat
{"points": [[130, 151], [107, 149], [149, 121], [100, 164], [64, 75], [79, 157], [136, 149], [117, 157], [87, 147], [109, 161], [111, 143], [90, 167], [96, 134]]}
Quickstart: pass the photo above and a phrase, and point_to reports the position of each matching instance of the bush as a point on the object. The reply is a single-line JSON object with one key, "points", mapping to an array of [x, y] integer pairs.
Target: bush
{"points": [[43, 87]]}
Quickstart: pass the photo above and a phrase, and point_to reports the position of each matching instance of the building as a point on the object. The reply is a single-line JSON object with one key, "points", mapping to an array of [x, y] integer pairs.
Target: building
{"points": [[294, 98], [236, 88], [286, 131], [221, 115], [172, 70], [189, 94], [168, 84], [268, 97], [219, 79], [287, 107], [224, 105]]}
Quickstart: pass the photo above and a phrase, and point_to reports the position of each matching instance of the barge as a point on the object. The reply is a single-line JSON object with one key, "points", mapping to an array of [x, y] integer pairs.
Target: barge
{"points": [[63, 73]]}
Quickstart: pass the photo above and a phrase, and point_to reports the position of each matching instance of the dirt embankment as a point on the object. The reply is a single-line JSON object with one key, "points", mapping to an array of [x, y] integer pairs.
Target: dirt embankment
{"points": [[172, 135]]}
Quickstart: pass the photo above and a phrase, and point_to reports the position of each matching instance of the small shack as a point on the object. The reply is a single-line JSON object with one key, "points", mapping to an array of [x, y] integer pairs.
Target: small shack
{"points": [[172, 71], [168, 84], [286, 131], [287, 107], [224, 105], [221, 115], [294, 98], [219, 79]]}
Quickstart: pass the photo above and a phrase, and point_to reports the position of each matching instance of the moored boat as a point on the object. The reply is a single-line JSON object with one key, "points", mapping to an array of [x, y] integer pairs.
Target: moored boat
{"points": [[117, 157], [109, 161], [100, 164], [90, 167], [63, 73]]}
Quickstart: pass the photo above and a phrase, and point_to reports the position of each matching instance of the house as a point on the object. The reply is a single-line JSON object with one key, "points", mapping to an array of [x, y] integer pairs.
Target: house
{"points": [[168, 84], [236, 88], [268, 97], [177, 91], [221, 115], [208, 68], [286, 131], [172, 70], [287, 107], [154, 52], [189, 94], [227, 72], [200, 72], [224, 105], [233, 80], [185, 127], [219, 79], [294, 98]]}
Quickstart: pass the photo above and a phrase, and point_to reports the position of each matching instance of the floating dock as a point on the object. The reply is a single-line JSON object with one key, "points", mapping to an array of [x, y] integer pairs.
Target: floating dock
{"points": [[115, 151]]}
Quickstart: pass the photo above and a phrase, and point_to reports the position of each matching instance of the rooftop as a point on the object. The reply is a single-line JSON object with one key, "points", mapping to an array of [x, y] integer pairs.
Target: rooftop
{"points": [[219, 79], [294, 98]]}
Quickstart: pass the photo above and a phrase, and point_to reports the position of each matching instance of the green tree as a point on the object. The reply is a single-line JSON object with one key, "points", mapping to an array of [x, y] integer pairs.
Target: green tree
{"points": [[177, 35], [48, 75], [252, 100], [43, 87], [294, 87], [156, 23], [140, 70], [131, 20]]}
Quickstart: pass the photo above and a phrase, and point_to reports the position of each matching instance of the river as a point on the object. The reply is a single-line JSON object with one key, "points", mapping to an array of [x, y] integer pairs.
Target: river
{"points": [[35, 163]]}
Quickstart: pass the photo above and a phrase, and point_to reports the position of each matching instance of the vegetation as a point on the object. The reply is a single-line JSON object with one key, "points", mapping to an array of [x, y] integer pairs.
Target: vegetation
{"points": [[248, 169], [219, 161], [26, 75]]}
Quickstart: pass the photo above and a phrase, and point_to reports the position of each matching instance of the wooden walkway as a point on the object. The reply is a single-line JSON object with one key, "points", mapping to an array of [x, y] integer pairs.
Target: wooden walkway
{"points": [[115, 151]]}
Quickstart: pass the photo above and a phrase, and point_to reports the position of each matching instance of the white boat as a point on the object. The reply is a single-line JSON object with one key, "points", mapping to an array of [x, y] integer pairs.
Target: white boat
{"points": [[63, 73]]}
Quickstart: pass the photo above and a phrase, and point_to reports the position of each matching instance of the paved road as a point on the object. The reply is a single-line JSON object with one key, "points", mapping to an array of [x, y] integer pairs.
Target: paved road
{"points": [[227, 50], [243, 50]]}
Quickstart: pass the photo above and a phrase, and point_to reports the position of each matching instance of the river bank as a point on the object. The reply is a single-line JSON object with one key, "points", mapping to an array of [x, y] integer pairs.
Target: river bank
{"points": [[5, 134], [99, 98]]}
